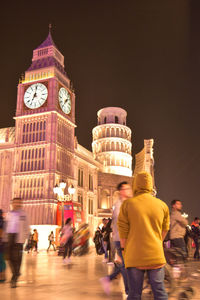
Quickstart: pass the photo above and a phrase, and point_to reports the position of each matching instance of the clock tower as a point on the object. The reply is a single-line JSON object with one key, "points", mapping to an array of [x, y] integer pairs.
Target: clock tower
{"points": [[44, 138]]}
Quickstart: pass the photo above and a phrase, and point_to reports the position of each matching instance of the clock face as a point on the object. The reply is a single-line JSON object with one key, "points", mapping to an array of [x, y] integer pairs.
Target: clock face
{"points": [[35, 95], [65, 100]]}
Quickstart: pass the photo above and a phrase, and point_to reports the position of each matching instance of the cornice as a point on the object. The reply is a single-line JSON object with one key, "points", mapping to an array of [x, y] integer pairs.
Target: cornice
{"points": [[45, 113]]}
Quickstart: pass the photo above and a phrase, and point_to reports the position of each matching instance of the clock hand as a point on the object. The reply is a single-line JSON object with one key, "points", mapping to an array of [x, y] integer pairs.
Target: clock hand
{"points": [[35, 93]]}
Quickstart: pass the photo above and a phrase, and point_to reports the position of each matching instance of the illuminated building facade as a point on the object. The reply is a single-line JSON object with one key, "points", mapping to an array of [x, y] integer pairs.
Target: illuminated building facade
{"points": [[144, 161], [42, 150]]}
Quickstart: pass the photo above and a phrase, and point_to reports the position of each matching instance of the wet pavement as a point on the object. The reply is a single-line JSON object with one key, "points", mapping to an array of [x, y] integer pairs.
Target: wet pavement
{"points": [[45, 277]]}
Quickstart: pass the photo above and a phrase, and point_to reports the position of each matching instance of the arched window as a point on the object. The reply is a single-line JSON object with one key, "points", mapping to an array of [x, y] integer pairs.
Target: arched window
{"points": [[104, 199], [107, 132], [116, 119], [117, 132]]}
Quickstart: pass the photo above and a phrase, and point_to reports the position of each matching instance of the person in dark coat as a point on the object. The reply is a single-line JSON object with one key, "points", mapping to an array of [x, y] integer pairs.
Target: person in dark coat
{"points": [[106, 230], [196, 235]]}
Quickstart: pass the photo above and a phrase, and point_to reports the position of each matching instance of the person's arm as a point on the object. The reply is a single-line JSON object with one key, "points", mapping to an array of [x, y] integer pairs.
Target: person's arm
{"points": [[164, 233], [123, 243], [181, 219], [166, 223], [123, 224]]}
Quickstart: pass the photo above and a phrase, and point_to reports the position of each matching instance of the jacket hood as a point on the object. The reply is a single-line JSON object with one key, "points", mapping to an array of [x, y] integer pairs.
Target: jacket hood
{"points": [[142, 183]]}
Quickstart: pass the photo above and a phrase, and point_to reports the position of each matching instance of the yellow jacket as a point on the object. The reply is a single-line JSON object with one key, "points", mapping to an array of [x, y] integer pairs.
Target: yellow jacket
{"points": [[141, 221]]}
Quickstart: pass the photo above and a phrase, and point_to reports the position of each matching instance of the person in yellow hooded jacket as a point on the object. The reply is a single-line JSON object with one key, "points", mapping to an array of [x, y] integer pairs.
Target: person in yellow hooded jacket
{"points": [[143, 223]]}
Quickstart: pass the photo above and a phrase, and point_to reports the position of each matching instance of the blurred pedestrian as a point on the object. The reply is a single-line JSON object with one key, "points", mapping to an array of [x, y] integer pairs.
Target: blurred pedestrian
{"points": [[143, 223], [35, 240], [51, 241], [178, 223], [2, 260], [125, 192], [106, 230], [196, 235], [17, 230], [67, 240], [29, 244]]}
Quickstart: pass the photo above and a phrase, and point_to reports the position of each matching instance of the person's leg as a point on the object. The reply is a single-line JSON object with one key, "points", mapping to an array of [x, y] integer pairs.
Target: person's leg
{"points": [[115, 272], [122, 266], [135, 279], [49, 246], [11, 253], [70, 242], [196, 254], [16, 262], [19, 252], [65, 250], [179, 243], [105, 244], [156, 279]]}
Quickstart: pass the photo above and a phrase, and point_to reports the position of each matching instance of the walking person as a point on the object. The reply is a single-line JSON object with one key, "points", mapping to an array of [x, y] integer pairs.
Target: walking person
{"points": [[106, 230], [35, 240], [125, 192], [16, 230], [51, 241], [196, 236], [143, 223], [67, 240], [178, 223], [29, 245], [2, 260]]}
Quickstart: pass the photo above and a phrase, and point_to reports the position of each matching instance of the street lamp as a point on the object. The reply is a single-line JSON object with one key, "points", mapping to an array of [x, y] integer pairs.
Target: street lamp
{"points": [[71, 190], [59, 190]]}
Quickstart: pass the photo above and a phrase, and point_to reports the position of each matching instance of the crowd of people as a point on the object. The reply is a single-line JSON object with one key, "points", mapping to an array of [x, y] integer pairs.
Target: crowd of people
{"points": [[133, 239], [140, 228]]}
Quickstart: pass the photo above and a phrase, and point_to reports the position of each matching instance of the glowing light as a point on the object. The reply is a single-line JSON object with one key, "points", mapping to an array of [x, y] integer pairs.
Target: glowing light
{"points": [[71, 190], [104, 206], [62, 185]]}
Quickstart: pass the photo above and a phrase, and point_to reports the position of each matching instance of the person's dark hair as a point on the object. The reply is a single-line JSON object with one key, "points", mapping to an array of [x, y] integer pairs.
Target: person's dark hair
{"points": [[196, 218], [68, 220], [174, 201], [1, 213], [119, 186]]}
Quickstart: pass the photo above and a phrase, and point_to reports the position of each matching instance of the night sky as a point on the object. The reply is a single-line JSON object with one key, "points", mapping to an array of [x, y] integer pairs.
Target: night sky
{"points": [[143, 56]]}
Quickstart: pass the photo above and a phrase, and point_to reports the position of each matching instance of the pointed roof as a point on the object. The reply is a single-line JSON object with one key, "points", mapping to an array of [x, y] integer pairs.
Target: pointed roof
{"points": [[48, 42], [46, 62]]}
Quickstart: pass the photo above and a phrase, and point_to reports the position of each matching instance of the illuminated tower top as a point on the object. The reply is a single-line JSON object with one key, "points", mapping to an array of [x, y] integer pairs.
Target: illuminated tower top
{"points": [[112, 141], [47, 61]]}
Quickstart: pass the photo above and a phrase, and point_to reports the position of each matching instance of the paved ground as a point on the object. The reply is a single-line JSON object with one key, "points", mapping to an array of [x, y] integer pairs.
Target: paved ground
{"points": [[45, 277]]}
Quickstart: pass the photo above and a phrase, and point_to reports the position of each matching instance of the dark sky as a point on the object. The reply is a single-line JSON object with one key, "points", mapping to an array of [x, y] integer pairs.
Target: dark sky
{"points": [[143, 56]]}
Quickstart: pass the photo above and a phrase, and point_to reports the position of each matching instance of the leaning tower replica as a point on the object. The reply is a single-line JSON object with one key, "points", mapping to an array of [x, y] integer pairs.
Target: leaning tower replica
{"points": [[112, 141]]}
